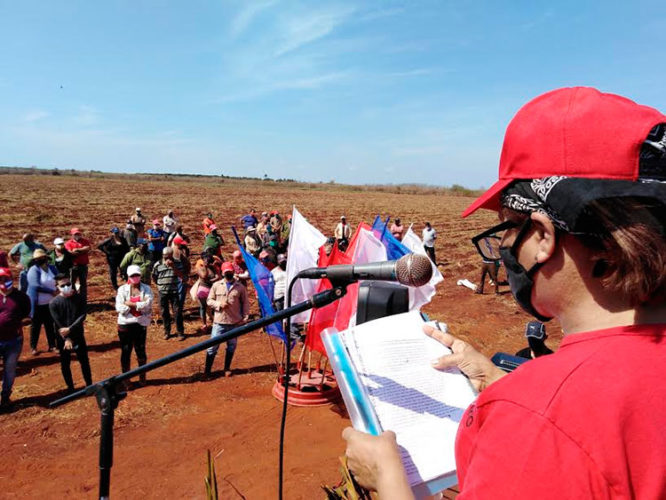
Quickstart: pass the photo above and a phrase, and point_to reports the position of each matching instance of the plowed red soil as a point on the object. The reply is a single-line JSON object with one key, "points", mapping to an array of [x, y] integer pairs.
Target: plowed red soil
{"points": [[163, 430]]}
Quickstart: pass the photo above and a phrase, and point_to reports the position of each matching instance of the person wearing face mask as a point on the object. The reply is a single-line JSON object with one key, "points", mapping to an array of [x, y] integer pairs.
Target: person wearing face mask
{"points": [[582, 203], [134, 303], [228, 299], [79, 247], [166, 276], [14, 308], [60, 258], [280, 279], [68, 311], [138, 256], [181, 263], [240, 267], [41, 290], [21, 255]]}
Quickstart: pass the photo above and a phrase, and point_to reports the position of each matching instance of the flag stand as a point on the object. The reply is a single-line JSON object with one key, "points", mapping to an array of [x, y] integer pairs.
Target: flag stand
{"points": [[306, 385]]}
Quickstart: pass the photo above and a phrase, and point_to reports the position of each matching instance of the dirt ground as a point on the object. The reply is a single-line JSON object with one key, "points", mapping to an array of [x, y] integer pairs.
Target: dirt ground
{"points": [[163, 430]]}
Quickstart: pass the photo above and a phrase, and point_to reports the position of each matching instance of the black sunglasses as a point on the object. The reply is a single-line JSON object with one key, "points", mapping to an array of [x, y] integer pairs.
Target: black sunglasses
{"points": [[481, 241]]}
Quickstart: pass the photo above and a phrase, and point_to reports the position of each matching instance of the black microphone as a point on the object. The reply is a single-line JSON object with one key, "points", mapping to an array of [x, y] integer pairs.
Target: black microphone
{"points": [[411, 270]]}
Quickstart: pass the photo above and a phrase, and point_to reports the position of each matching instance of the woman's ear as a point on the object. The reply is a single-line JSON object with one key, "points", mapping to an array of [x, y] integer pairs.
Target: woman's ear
{"points": [[545, 232]]}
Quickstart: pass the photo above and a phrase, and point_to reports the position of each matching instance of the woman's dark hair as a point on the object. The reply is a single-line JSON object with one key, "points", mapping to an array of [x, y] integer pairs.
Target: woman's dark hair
{"points": [[630, 241]]}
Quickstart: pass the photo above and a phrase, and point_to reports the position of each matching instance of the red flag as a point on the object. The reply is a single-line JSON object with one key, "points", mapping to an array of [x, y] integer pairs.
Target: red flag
{"points": [[324, 317]]}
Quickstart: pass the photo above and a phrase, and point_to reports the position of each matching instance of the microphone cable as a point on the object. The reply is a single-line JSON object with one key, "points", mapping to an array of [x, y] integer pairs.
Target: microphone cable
{"points": [[283, 420]]}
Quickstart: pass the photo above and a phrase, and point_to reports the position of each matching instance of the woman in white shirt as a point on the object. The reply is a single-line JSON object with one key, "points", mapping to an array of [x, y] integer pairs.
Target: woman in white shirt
{"points": [[134, 304]]}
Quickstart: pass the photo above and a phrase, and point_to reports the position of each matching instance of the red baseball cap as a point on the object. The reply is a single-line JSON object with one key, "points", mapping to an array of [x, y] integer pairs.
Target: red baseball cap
{"points": [[74, 230], [6, 272], [574, 132], [227, 266], [179, 241]]}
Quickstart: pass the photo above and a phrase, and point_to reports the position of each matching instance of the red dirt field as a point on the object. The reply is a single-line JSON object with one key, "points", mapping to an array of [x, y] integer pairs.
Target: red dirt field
{"points": [[163, 430]]}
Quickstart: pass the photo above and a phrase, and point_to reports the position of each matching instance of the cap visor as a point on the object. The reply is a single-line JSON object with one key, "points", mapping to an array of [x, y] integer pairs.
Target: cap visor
{"points": [[490, 199]]}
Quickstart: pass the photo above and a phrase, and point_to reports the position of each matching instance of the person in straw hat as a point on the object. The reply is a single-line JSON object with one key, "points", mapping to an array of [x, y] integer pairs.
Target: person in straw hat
{"points": [[41, 290]]}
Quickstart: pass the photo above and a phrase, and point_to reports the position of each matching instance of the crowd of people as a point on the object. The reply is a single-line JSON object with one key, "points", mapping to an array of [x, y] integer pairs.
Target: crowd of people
{"points": [[154, 263]]}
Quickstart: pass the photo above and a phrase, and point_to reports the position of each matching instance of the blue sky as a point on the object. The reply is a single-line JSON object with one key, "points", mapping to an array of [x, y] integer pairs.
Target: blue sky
{"points": [[358, 92]]}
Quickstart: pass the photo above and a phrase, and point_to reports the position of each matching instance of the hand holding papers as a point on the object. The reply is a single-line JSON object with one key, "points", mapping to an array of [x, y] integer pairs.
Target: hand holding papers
{"points": [[388, 383]]}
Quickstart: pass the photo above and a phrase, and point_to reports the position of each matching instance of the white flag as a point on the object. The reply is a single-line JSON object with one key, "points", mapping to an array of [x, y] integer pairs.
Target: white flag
{"points": [[304, 243], [420, 296], [368, 249]]}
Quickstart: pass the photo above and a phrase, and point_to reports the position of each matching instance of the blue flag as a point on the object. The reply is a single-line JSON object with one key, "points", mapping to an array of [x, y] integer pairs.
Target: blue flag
{"points": [[264, 285], [394, 249]]}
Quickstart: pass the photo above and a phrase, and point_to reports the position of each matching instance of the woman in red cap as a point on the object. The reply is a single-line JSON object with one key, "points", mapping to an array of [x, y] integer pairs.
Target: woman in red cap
{"points": [[79, 247], [581, 198]]}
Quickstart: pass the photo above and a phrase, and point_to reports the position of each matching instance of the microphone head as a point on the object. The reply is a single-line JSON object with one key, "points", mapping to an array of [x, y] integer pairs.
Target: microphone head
{"points": [[413, 269]]}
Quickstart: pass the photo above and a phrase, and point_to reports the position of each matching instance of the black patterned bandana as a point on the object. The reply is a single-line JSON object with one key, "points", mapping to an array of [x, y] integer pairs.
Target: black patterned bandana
{"points": [[563, 199]]}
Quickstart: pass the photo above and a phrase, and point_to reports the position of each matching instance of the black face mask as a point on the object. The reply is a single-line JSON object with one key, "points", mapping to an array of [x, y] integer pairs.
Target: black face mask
{"points": [[520, 279]]}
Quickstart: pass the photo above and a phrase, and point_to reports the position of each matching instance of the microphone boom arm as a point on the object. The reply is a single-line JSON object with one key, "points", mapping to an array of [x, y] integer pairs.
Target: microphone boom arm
{"points": [[108, 396]]}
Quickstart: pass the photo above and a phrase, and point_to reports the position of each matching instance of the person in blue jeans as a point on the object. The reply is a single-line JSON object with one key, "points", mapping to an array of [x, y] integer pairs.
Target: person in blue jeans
{"points": [[14, 308], [228, 299]]}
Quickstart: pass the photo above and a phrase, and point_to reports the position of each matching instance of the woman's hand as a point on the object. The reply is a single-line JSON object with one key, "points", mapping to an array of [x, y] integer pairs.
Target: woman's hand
{"points": [[376, 464], [479, 369]]}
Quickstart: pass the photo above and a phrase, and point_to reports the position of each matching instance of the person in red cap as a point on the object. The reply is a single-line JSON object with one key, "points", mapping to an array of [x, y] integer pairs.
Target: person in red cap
{"points": [[228, 299], [79, 247], [581, 197], [14, 308], [181, 263], [178, 232], [240, 267]]}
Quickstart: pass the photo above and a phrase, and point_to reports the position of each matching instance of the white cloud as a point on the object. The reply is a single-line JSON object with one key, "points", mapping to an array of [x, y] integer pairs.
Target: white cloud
{"points": [[245, 17], [86, 116], [297, 31], [412, 72], [35, 116], [428, 150], [303, 83]]}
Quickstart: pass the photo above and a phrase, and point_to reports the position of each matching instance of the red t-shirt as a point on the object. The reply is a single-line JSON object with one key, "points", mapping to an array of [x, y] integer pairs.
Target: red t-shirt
{"points": [[81, 259], [13, 308], [586, 422]]}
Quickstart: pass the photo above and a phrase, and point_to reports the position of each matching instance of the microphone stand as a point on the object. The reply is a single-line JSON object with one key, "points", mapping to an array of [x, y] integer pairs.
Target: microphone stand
{"points": [[108, 396]]}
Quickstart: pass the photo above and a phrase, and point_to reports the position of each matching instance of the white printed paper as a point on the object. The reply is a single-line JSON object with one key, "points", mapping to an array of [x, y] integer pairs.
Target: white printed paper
{"points": [[423, 406]]}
